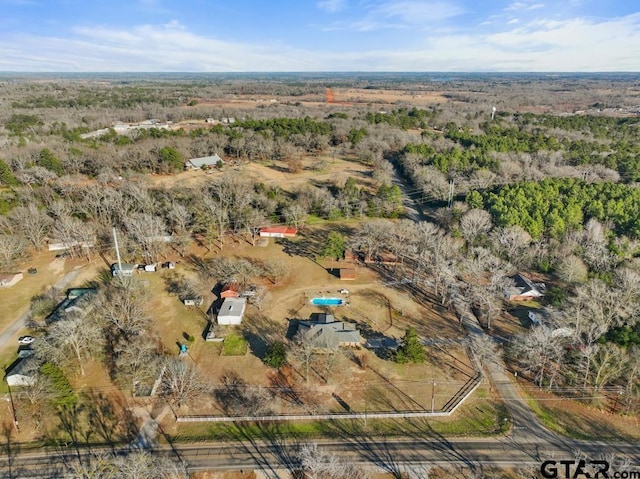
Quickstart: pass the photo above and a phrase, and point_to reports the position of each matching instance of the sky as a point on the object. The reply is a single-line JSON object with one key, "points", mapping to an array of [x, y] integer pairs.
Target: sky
{"points": [[319, 35]]}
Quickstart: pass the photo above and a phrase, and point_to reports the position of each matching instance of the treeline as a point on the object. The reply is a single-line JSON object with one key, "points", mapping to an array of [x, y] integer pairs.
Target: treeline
{"points": [[553, 206]]}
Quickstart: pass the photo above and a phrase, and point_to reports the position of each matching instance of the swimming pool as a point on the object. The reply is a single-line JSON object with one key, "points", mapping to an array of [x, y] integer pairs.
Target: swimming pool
{"points": [[327, 301]]}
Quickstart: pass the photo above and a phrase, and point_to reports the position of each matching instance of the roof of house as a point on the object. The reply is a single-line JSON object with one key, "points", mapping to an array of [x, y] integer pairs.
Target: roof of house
{"points": [[205, 161], [125, 267], [287, 230], [24, 366], [524, 286], [232, 307], [233, 287], [326, 332]]}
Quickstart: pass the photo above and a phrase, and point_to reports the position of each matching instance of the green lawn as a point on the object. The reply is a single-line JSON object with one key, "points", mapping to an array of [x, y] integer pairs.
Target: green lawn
{"points": [[234, 345]]}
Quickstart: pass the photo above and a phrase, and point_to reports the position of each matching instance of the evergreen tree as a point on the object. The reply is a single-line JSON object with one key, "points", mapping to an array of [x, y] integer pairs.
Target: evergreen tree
{"points": [[411, 350], [276, 355], [50, 162], [6, 175]]}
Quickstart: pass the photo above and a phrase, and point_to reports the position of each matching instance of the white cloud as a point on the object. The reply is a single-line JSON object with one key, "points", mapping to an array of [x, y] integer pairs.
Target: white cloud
{"points": [[526, 5], [416, 12], [569, 45], [332, 6], [398, 14]]}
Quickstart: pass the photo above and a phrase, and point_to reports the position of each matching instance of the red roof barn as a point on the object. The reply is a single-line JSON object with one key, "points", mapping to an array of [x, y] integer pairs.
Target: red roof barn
{"points": [[278, 232]]}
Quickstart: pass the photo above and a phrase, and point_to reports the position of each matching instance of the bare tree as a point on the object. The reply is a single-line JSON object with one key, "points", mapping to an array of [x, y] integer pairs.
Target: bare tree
{"points": [[12, 248], [475, 223], [541, 353], [511, 243], [122, 306], [181, 382], [319, 465], [572, 269], [138, 361], [295, 215], [148, 231], [304, 350], [33, 223], [75, 337], [277, 270], [145, 465]]}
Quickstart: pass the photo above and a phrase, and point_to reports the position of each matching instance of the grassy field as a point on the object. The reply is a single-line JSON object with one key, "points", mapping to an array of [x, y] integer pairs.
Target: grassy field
{"points": [[581, 421], [481, 415]]}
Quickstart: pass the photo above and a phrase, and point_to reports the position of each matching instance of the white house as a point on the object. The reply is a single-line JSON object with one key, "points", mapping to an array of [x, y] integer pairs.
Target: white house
{"points": [[231, 311], [22, 372], [127, 269]]}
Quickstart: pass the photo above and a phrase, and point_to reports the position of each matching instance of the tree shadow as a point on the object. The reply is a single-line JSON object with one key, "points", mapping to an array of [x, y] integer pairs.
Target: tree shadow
{"points": [[110, 418]]}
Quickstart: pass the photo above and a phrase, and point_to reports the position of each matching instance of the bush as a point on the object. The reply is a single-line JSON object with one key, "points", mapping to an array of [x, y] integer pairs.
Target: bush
{"points": [[276, 355], [63, 392], [411, 351]]}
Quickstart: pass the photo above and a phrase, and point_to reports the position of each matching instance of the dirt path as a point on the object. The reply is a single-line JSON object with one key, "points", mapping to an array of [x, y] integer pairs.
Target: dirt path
{"points": [[20, 323]]}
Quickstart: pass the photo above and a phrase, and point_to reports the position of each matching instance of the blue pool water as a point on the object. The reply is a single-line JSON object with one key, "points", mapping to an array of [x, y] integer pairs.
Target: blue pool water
{"points": [[327, 301]]}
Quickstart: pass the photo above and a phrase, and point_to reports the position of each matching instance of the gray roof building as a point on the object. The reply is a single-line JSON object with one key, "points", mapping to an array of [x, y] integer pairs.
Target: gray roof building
{"points": [[203, 162], [325, 332]]}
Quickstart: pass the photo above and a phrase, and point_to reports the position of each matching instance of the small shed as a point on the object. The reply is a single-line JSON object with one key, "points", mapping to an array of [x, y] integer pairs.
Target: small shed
{"points": [[232, 311], [278, 232], [151, 268], [193, 300], [347, 274], [169, 265], [230, 290], [9, 279]]}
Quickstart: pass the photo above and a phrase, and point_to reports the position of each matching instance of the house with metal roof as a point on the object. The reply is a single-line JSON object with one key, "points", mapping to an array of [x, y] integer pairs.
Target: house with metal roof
{"points": [[203, 162], [278, 232], [231, 311]]}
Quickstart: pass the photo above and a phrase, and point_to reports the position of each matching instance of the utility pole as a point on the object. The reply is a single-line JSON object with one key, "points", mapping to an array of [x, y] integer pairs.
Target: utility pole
{"points": [[13, 409], [433, 396], [115, 241]]}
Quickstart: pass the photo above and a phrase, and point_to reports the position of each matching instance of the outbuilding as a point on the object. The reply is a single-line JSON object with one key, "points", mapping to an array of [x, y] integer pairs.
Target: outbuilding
{"points": [[127, 269], [203, 162], [347, 274], [231, 311], [9, 279], [278, 232]]}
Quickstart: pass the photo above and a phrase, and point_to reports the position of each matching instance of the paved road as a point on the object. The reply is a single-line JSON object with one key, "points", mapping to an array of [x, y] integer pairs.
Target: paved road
{"points": [[394, 456]]}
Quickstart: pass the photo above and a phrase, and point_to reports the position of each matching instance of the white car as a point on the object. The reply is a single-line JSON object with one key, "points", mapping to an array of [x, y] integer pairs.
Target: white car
{"points": [[343, 291], [26, 339]]}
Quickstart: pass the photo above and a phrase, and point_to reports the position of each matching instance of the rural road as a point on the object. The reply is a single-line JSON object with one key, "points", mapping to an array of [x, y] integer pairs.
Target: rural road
{"points": [[11, 330], [393, 456]]}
